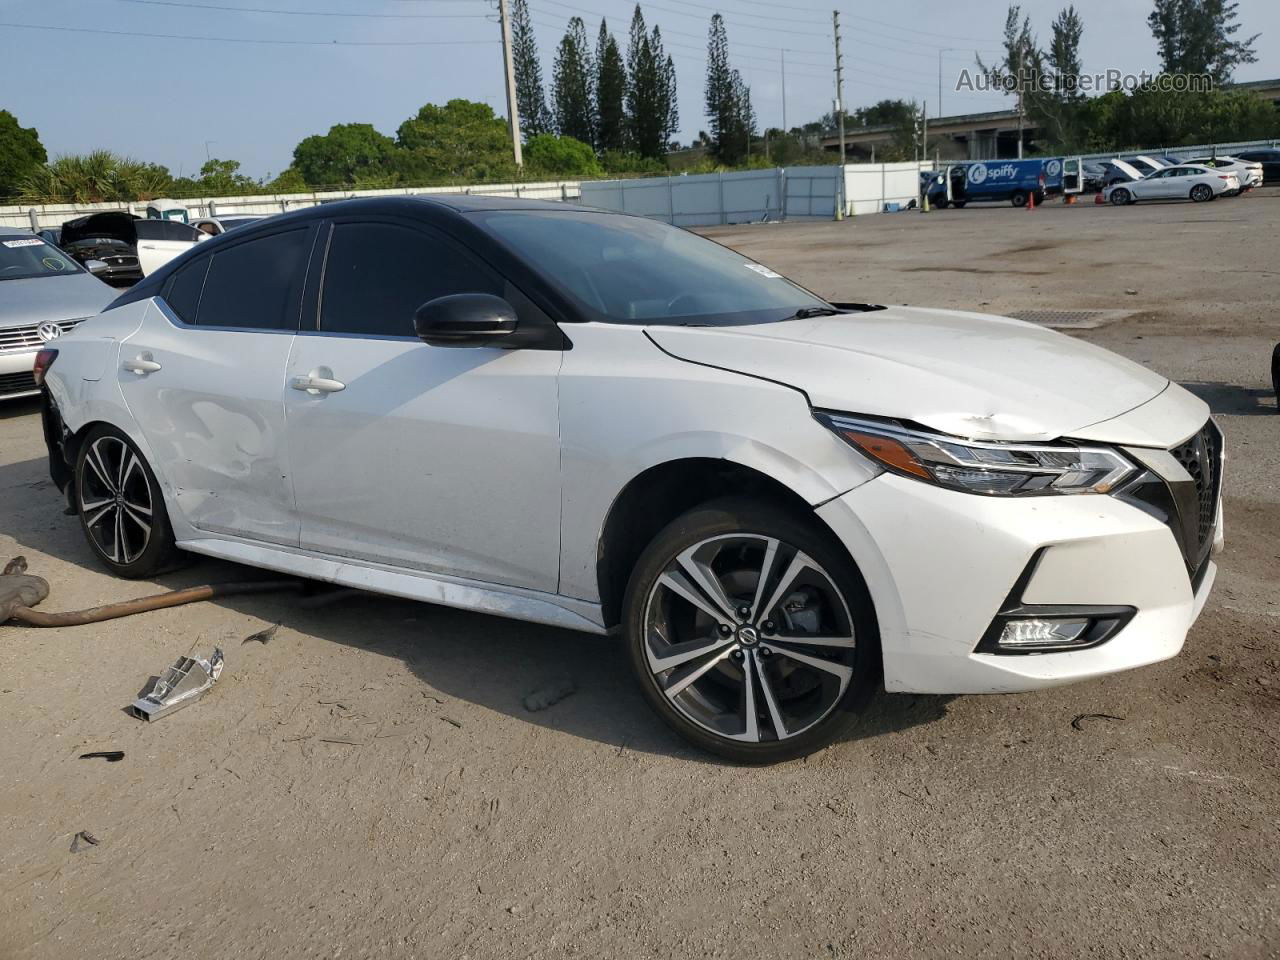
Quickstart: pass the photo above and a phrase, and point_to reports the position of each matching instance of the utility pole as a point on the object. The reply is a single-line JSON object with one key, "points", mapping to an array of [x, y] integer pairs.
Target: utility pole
{"points": [[924, 130], [835, 27], [513, 114], [783, 55], [941, 51]]}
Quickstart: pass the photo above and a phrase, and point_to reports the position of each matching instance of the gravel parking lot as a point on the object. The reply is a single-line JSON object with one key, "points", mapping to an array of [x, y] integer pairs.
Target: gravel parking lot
{"points": [[369, 784]]}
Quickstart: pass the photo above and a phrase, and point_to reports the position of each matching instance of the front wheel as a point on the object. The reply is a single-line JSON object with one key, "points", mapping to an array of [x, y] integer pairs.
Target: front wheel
{"points": [[751, 632], [1120, 197], [1201, 192], [121, 508]]}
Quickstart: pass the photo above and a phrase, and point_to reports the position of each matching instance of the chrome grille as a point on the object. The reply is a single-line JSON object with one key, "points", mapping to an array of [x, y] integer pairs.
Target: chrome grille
{"points": [[24, 337], [16, 383], [1201, 456]]}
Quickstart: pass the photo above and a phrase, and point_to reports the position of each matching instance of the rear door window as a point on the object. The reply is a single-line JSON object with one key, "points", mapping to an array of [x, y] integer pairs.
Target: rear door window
{"points": [[256, 284]]}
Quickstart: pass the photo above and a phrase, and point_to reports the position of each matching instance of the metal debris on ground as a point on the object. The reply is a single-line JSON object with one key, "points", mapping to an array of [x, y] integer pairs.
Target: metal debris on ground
{"points": [[111, 756], [84, 836], [182, 684], [1078, 722], [450, 720], [550, 693], [262, 636]]}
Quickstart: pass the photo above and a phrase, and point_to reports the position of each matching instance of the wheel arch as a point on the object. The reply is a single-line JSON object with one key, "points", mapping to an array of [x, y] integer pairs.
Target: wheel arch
{"points": [[659, 494]]}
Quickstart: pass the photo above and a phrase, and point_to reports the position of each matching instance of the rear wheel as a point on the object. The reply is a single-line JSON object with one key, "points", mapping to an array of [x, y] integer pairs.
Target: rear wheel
{"points": [[1275, 374], [1019, 198], [1121, 196], [1201, 192], [121, 509], [751, 631]]}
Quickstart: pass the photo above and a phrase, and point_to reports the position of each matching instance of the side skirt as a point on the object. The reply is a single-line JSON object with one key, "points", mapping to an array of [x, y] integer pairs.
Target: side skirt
{"points": [[514, 602]]}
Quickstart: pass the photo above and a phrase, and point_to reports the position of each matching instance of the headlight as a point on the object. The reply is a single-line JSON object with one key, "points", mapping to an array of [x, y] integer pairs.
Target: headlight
{"points": [[978, 466]]}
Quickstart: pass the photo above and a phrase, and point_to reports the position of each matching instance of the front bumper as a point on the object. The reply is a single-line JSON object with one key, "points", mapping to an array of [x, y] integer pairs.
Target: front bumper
{"points": [[15, 374], [940, 566]]}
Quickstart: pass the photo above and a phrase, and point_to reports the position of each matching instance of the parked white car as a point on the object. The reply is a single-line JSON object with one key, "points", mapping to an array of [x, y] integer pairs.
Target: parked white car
{"points": [[1248, 172], [1183, 182], [607, 424], [159, 241]]}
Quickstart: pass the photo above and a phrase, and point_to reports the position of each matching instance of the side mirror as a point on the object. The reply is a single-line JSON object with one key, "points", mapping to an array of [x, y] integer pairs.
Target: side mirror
{"points": [[96, 267], [465, 320]]}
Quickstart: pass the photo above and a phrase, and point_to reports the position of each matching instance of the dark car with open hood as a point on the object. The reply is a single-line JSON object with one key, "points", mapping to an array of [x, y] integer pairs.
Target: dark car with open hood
{"points": [[110, 237]]}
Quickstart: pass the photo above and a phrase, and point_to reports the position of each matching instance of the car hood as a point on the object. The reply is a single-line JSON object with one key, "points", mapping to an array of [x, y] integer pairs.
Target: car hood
{"points": [[114, 225], [966, 374], [37, 299]]}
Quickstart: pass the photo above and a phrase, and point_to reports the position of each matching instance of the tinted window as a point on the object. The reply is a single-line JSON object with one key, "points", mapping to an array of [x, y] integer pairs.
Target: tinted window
{"points": [[182, 292], [149, 229], [256, 284], [632, 270], [176, 230], [378, 274]]}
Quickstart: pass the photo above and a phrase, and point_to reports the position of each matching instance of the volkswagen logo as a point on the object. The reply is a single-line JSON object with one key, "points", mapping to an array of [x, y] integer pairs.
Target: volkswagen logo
{"points": [[48, 331]]}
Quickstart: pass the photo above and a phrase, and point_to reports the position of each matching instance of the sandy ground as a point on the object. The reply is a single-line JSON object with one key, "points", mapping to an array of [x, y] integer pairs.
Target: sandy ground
{"points": [[368, 784]]}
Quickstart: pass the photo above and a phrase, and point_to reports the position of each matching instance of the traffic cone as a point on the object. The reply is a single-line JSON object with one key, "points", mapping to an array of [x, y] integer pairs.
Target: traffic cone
{"points": [[1069, 199], [1097, 199], [1031, 200]]}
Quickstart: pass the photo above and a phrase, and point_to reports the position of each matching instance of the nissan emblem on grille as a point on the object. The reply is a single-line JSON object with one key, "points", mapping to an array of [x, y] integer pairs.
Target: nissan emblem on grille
{"points": [[48, 331]]}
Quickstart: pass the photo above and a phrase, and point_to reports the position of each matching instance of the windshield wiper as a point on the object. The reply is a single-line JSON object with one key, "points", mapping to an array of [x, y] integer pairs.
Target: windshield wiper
{"points": [[804, 313]]}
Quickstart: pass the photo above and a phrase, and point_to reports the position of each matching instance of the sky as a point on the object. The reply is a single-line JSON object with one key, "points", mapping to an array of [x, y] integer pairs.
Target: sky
{"points": [[176, 101]]}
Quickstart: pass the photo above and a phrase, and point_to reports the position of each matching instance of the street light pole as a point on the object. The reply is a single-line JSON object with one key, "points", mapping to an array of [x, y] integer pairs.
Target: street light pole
{"points": [[941, 51]]}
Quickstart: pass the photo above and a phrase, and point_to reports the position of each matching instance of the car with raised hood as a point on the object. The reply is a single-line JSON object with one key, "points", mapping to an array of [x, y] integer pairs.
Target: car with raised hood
{"points": [[44, 295], [1186, 181], [130, 246], [607, 424]]}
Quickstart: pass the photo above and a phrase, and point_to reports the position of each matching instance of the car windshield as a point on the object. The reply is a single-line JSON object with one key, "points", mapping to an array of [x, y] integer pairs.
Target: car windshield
{"points": [[22, 258], [623, 269]]}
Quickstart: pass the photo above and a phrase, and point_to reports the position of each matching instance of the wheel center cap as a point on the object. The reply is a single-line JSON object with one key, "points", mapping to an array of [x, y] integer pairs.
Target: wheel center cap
{"points": [[748, 635]]}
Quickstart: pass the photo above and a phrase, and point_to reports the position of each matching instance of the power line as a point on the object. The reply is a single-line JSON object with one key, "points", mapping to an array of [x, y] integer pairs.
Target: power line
{"points": [[310, 13], [308, 43]]}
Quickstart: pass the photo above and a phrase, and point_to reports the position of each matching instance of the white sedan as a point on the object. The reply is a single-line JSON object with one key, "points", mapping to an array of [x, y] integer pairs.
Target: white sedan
{"points": [[607, 424], [1249, 172], [1183, 182]]}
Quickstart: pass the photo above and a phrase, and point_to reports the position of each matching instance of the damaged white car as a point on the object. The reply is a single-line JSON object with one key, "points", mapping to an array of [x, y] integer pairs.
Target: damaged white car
{"points": [[611, 425]]}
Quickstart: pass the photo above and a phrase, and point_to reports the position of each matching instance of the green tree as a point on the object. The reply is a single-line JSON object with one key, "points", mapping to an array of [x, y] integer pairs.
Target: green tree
{"points": [[96, 177], [288, 181], [21, 153], [652, 115], [884, 113], [572, 85], [1199, 37], [728, 100], [611, 93], [347, 154], [531, 100], [222, 178], [1058, 109], [461, 140], [1023, 61], [561, 156]]}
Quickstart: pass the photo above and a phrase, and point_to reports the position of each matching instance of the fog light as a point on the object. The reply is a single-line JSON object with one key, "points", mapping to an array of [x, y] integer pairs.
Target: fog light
{"points": [[1041, 634]]}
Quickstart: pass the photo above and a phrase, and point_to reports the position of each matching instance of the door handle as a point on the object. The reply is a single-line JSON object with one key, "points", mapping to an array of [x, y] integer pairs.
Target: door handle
{"points": [[142, 364], [317, 382], [147, 246]]}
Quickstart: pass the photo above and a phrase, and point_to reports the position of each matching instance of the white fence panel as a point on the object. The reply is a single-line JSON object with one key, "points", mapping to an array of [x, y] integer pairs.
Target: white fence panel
{"points": [[55, 214], [869, 186]]}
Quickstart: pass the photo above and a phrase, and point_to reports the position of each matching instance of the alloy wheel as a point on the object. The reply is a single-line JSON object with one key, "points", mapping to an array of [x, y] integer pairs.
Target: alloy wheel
{"points": [[749, 638], [115, 500]]}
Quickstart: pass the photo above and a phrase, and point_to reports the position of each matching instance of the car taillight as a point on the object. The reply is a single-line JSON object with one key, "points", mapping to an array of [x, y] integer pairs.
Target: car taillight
{"points": [[44, 360]]}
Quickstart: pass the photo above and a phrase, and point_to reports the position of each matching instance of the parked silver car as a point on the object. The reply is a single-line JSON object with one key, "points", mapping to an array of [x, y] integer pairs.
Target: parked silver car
{"points": [[44, 294]]}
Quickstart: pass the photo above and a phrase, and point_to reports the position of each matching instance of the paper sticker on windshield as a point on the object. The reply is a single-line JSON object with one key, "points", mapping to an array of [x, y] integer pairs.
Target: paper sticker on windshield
{"points": [[764, 271], [33, 242]]}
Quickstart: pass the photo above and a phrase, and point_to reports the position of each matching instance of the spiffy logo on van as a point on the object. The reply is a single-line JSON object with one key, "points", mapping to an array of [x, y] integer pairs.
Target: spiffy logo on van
{"points": [[981, 172]]}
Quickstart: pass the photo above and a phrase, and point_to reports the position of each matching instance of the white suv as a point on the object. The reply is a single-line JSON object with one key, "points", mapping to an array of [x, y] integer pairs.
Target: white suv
{"points": [[611, 425]]}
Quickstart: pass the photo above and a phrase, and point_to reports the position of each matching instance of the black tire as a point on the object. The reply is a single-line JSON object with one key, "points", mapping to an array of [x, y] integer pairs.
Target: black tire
{"points": [[942, 204], [1019, 198], [1201, 192], [828, 597], [114, 511], [959, 204], [1120, 197], [1275, 374]]}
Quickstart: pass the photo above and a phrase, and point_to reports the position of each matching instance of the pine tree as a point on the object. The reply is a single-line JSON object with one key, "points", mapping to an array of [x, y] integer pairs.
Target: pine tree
{"points": [[1064, 55], [729, 110], [531, 101], [611, 93], [650, 91], [1198, 37], [574, 96]]}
